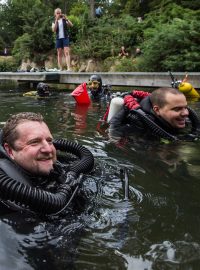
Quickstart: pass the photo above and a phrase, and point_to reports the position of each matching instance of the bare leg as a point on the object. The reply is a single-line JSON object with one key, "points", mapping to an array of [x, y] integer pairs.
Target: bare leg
{"points": [[59, 54], [67, 57]]}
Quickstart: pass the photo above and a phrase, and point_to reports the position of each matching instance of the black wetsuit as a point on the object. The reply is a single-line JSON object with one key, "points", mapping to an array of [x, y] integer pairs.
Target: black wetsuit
{"points": [[21, 190], [102, 93]]}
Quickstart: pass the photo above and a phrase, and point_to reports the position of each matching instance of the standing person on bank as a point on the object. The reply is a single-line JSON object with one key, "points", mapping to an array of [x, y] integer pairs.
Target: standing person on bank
{"points": [[60, 27]]}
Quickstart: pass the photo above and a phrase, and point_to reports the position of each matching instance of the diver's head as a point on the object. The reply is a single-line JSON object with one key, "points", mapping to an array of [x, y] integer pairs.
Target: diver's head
{"points": [[42, 89], [27, 140], [171, 105], [95, 83]]}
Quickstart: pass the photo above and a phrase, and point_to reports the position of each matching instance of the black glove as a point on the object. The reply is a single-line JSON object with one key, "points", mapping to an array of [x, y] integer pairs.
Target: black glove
{"points": [[72, 179]]}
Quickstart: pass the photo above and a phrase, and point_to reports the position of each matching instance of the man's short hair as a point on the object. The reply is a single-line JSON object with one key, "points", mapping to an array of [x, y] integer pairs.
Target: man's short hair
{"points": [[9, 133], [158, 96]]}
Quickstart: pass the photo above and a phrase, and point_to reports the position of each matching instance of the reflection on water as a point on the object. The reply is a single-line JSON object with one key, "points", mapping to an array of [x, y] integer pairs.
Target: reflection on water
{"points": [[158, 227]]}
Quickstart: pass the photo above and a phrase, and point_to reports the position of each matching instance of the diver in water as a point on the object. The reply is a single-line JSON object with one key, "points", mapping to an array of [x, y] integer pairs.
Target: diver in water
{"points": [[43, 89], [97, 90], [92, 90], [164, 113], [31, 176]]}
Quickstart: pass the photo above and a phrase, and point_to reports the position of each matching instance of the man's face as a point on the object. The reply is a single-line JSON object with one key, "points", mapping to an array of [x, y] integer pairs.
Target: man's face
{"points": [[58, 14], [93, 85], [175, 110], [34, 150]]}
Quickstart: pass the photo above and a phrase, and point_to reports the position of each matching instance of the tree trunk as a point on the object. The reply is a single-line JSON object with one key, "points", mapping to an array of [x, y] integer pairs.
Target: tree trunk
{"points": [[92, 9]]}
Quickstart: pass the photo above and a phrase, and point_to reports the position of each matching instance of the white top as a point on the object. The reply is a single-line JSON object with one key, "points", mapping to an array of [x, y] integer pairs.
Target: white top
{"points": [[61, 28]]}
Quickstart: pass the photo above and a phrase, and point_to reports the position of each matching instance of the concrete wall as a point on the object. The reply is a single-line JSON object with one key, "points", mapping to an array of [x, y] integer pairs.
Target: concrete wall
{"points": [[143, 79]]}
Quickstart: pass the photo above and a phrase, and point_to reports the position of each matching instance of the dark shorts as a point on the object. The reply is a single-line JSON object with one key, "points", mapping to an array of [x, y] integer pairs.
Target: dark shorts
{"points": [[62, 42]]}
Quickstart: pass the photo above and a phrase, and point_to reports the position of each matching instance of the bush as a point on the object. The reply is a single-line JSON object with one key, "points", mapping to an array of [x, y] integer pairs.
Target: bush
{"points": [[117, 64], [21, 48], [104, 37], [7, 64], [172, 44], [126, 65]]}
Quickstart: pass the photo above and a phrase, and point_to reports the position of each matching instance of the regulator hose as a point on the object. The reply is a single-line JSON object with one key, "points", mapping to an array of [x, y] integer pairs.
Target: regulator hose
{"points": [[38, 200], [194, 120], [161, 133], [34, 199], [155, 129], [86, 162]]}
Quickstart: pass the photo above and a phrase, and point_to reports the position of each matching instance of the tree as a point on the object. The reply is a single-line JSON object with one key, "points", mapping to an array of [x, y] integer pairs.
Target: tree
{"points": [[172, 45], [104, 37], [27, 25], [92, 8], [36, 38]]}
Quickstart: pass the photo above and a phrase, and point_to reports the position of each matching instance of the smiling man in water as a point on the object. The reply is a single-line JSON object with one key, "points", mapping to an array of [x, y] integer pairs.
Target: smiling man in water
{"points": [[28, 141], [171, 106], [163, 113], [32, 177]]}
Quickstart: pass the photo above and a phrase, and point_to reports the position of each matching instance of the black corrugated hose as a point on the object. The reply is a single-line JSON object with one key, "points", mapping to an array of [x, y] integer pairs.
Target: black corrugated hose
{"points": [[155, 129], [161, 133], [86, 162]]}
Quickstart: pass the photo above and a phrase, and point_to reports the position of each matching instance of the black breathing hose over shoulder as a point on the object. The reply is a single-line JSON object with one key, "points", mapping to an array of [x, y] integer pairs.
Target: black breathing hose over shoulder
{"points": [[155, 129], [86, 162], [194, 120], [160, 132], [34, 199], [38, 200]]}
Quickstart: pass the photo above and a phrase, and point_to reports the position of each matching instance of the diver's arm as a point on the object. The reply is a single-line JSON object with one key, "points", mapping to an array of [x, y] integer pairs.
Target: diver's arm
{"points": [[140, 94], [131, 103]]}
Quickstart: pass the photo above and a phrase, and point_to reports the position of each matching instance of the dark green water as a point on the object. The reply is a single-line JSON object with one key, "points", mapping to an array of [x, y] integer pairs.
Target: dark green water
{"points": [[157, 228]]}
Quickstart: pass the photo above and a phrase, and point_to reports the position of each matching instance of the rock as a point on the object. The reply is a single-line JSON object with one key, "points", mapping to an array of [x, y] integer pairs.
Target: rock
{"points": [[77, 64], [82, 67]]}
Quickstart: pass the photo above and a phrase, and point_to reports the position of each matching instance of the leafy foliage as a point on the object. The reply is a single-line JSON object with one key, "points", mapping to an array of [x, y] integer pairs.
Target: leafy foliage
{"points": [[168, 34], [106, 37], [7, 64], [22, 45], [172, 45]]}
